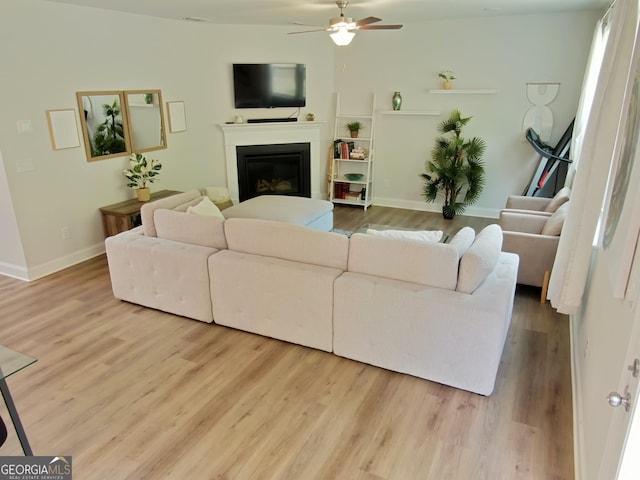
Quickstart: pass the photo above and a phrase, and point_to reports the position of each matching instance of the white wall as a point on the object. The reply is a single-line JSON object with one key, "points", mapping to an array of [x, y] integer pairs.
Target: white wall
{"points": [[51, 50], [502, 53], [12, 261]]}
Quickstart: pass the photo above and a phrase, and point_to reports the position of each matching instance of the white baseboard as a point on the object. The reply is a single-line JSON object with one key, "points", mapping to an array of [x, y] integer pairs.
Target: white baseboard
{"points": [[29, 274], [14, 271], [433, 207]]}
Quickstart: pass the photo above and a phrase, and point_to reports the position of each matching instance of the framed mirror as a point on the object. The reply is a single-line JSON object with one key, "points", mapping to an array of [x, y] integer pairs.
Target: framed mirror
{"points": [[146, 120], [104, 124]]}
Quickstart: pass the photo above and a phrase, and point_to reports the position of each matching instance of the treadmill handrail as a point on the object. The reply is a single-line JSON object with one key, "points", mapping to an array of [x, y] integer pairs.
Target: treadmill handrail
{"points": [[542, 148]]}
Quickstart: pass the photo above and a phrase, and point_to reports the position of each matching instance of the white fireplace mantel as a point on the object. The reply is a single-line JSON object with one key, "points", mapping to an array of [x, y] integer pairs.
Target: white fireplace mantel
{"points": [[271, 133]]}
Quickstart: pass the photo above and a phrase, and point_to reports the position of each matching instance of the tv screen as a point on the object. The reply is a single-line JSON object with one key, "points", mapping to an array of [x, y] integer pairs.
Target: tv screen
{"points": [[269, 85]]}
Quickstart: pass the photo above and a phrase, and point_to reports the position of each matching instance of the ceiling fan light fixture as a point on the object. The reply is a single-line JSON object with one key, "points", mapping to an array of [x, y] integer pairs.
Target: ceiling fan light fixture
{"points": [[342, 29], [342, 36]]}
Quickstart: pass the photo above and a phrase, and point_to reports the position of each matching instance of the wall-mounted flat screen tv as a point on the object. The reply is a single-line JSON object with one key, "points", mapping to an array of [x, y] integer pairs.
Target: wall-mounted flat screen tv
{"points": [[269, 85]]}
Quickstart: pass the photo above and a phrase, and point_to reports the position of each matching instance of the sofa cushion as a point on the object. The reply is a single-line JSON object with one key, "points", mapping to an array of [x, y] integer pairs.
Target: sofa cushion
{"points": [[480, 259], [204, 230], [560, 198], [205, 207], [431, 264], [553, 225], [416, 236], [287, 241], [463, 240], [146, 212]]}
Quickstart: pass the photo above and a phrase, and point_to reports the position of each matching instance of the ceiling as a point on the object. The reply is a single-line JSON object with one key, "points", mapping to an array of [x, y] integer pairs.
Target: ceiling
{"points": [[318, 12]]}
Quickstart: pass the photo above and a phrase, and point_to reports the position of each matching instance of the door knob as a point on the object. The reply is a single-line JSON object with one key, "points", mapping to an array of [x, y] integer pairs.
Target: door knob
{"points": [[615, 400]]}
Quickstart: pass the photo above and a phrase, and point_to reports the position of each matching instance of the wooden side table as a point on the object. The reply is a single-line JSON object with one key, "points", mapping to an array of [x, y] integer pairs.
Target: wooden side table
{"points": [[123, 216]]}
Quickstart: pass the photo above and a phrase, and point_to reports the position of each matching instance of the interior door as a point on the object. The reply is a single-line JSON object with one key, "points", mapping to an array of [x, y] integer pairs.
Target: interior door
{"points": [[620, 460]]}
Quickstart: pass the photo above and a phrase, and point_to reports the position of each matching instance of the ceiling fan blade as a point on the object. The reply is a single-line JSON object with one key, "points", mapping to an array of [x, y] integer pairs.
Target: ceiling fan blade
{"points": [[308, 31], [307, 24], [381, 27], [367, 21]]}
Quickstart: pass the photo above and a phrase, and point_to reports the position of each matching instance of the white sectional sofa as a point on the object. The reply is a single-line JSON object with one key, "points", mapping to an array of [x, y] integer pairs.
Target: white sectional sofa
{"points": [[410, 308], [277, 280], [435, 311]]}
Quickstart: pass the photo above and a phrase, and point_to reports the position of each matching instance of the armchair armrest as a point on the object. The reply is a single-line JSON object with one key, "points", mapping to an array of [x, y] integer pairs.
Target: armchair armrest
{"points": [[540, 213], [521, 202], [522, 222], [537, 254]]}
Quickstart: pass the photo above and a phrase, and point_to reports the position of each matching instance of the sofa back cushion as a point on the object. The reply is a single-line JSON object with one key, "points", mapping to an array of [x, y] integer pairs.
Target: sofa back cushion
{"points": [[146, 212], [480, 259], [432, 264], [204, 230], [287, 241]]}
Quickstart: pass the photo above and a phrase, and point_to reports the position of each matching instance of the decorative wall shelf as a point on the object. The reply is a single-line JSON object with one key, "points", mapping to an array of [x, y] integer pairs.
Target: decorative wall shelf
{"points": [[476, 91], [340, 189], [408, 112], [342, 115]]}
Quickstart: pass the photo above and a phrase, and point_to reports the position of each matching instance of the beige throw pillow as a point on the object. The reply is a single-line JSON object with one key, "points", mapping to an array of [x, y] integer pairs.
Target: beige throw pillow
{"points": [[417, 236], [217, 194], [553, 226], [560, 198], [205, 207]]}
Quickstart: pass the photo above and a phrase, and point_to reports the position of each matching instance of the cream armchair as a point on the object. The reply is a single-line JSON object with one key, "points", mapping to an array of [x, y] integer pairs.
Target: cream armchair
{"points": [[538, 205], [535, 239]]}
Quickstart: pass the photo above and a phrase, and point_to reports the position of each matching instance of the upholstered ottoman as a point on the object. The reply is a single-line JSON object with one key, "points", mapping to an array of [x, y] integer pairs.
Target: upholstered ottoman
{"points": [[309, 212]]}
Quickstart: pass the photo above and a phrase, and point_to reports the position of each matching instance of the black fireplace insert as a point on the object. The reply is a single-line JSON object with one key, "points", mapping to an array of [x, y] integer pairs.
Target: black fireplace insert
{"points": [[274, 169]]}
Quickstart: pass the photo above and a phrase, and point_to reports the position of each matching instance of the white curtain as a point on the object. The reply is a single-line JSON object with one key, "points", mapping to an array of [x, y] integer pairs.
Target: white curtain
{"points": [[593, 144], [594, 65]]}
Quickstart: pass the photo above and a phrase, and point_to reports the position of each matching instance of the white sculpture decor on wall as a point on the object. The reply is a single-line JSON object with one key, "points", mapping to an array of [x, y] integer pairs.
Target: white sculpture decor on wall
{"points": [[540, 117]]}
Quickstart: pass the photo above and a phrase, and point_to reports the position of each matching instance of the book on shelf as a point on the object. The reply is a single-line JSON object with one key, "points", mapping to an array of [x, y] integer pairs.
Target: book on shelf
{"points": [[340, 190], [342, 149]]}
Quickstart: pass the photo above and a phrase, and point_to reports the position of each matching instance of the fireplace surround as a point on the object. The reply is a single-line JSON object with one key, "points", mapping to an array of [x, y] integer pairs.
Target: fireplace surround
{"points": [[246, 134]]}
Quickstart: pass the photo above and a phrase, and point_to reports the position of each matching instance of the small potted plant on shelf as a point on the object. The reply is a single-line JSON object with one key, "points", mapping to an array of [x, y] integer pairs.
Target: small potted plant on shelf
{"points": [[446, 76], [455, 170], [354, 128], [141, 173]]}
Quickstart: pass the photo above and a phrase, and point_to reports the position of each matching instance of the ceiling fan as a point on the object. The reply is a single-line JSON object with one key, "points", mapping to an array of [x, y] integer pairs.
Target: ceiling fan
{"points": [[342, 29]]}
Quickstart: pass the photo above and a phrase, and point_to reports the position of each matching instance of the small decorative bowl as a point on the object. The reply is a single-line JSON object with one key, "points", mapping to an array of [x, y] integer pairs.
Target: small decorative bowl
{"points": [[354, 177]]}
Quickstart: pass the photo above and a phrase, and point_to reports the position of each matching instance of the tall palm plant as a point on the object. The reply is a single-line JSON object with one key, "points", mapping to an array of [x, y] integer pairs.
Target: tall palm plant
{"points": [[456, 170]]}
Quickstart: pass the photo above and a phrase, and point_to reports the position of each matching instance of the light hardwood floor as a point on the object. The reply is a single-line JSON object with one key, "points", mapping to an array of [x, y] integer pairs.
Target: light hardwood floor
{"points": [[133, 393]]}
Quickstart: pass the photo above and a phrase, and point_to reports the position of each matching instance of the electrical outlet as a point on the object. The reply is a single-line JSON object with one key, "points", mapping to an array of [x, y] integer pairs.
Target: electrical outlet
{"points": [[66, 235]]}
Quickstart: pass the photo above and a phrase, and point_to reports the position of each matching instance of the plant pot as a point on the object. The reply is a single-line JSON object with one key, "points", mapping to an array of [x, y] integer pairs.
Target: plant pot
{"points": [[354, 134], [446, 85], [144, 194], [448, 212]]}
